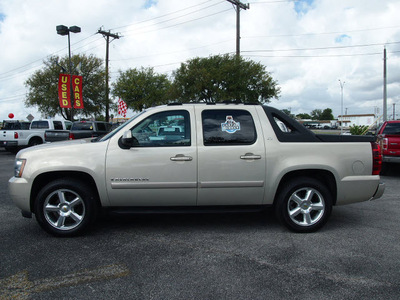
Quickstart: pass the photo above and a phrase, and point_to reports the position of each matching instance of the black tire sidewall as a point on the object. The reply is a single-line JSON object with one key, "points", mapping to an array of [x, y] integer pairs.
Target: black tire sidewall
{"points": [[35, 142], [289, 188], [83, 190]]}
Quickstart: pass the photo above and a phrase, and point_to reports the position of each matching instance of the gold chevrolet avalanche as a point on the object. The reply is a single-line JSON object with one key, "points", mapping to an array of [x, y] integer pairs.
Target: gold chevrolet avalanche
{"points": [[197, 157]]}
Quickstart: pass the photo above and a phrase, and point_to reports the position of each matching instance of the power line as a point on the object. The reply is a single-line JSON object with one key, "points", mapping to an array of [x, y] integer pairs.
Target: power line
{"points": [[174, 25], [319, 33], [320, 48], [172, 13]]}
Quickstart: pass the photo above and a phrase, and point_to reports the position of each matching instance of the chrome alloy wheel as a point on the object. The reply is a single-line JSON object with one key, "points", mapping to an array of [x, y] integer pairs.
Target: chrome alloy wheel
{"points": [[64, 209], [306, 206]]}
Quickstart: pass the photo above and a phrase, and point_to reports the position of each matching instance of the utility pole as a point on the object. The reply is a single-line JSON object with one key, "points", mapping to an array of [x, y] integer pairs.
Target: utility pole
{"points": [[107, 35], [394, 111], [239, 5], [384, 87], [341, 101]]}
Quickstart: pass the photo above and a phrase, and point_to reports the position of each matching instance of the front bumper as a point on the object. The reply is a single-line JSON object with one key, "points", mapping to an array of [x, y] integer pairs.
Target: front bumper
{"points": [[19, 190]]}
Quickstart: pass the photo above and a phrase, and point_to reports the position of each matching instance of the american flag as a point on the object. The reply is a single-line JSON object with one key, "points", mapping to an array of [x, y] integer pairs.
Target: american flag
{"points": [[122, 107]]}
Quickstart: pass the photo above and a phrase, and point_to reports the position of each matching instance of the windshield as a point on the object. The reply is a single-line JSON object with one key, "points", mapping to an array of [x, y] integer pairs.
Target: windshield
{"points": [[392, 128], [82, 126], [112, 133]]}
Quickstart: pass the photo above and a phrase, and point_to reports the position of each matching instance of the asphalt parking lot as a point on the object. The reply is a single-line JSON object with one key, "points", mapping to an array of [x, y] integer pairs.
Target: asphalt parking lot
{"points": [[239, 256]]}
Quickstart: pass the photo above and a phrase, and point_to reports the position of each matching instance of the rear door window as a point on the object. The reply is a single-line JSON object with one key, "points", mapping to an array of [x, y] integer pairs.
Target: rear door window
{"points": [[228, 127]]}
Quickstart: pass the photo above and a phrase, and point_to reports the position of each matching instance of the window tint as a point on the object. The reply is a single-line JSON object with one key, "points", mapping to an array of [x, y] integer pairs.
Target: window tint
{"points": [[57, 125], [228, 127], [164, 129], [82, 126], [101, 127], [392, 128], [40, 125], [25, 125]]}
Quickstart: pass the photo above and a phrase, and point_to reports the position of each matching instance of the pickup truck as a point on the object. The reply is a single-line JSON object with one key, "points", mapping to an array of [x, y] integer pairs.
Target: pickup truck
{"points": [[9, 128], [389, 134], [228, 157], [14, 140], [79, 130], [15, 125]]}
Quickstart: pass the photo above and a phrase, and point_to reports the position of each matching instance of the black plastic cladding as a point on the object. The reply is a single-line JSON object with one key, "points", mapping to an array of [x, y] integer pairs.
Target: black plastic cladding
{"points": [[300, 134]]}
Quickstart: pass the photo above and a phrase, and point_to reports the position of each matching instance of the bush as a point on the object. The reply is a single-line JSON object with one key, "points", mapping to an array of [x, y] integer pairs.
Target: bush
{"points": [[358, 129]]}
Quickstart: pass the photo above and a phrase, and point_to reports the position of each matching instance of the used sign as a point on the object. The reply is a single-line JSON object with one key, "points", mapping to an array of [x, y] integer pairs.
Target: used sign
{"points": [[64, 91]]}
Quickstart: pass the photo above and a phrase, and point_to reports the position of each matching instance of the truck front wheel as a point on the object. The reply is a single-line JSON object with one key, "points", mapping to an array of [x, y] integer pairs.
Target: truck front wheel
{"points": [[304, 205], [65, 207]]}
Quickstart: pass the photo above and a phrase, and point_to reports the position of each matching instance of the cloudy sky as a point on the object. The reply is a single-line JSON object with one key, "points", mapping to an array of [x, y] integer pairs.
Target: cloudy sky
{"points": [[306, 45]]}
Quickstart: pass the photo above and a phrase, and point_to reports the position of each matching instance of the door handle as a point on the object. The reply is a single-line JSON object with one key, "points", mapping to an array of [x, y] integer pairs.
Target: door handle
{"points": [[250, 156], [181, 157]]}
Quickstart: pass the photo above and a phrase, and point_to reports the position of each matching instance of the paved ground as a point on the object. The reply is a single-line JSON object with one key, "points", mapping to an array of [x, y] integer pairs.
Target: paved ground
{"points": [[245, 256]]}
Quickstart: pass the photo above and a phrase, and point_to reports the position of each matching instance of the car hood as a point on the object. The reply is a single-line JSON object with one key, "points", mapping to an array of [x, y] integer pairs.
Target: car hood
{"points": [[54, 146]]}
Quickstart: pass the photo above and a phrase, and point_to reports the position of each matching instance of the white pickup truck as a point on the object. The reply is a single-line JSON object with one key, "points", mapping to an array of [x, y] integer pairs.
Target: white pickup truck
{"points": [[14, 140], [224, 157]]}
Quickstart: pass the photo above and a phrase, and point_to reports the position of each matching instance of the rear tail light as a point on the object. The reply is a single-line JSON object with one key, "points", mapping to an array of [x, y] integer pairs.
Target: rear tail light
{"points": [[385, 143], [71, 136], [15, 135], [376, 159]]}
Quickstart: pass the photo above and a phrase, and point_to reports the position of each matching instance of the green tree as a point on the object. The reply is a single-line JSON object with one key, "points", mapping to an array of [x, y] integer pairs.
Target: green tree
{"points": [[223, 78], [288, 112], [43, 86], [316, 114], [141, 88], [327, 114], [322, 115], [303, 116]]}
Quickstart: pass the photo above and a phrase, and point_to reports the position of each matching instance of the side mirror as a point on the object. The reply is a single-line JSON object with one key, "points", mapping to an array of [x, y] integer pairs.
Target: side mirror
{"points": [[127, 141]]}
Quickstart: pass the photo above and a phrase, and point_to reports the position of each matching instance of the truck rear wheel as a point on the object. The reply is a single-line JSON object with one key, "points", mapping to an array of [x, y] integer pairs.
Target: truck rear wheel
{"points": [[35, 141], [304, 205], [65, 207]]}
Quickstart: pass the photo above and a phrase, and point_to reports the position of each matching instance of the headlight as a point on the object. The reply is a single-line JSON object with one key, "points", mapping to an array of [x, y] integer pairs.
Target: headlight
{"points": [[19, 167]]}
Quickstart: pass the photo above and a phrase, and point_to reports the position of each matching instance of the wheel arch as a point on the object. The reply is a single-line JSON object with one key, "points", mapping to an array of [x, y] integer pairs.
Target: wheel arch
{"points": [[35, 138], [324, 176], [43, 179]]}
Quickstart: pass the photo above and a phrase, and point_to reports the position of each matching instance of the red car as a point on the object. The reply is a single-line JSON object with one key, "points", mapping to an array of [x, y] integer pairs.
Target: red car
{"points": [[389, 132]]}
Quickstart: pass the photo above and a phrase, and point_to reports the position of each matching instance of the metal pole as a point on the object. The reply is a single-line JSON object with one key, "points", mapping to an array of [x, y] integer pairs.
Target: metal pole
{"points": [[70, 78], [237, 30], [107, 79], [384, 87], [394, 111], [341, 89]]}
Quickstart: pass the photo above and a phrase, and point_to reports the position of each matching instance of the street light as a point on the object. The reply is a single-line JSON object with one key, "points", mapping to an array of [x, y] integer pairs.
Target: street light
{"points": [[64, 30], [341, 89]]}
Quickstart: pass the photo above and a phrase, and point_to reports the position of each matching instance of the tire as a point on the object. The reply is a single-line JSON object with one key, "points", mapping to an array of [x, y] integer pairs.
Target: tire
{"points": [[34, 142], [385, 169], [66, 207], [304, 205], [13, 150]]}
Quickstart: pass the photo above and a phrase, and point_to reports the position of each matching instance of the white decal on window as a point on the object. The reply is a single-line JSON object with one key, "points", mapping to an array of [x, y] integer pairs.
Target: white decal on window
{"points": [[230, 126]]}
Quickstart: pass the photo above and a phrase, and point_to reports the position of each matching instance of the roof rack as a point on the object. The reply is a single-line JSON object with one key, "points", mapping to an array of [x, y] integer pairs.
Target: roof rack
{"points": [[214, 103]]}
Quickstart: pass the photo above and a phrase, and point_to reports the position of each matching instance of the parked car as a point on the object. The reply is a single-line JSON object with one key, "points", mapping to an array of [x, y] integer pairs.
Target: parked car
{"points": [[389, 134], [224, 158], [15, 125], [79, 130], [14, 140]]}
